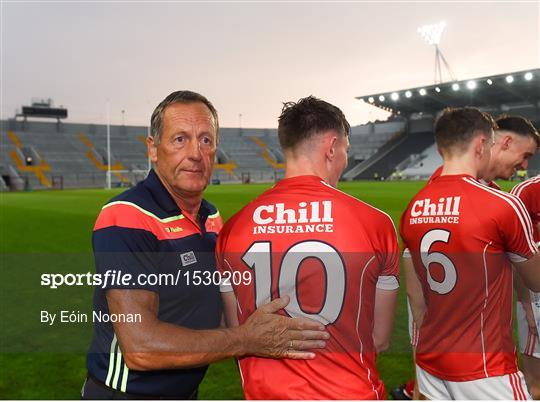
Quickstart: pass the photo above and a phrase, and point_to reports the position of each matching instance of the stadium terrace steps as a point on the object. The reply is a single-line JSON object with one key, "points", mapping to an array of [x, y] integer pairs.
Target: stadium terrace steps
{"points": [[3, 185], [267, 153], [425, 165], [383, 166], [367, 139], [65, 149], [405, 139], [29, 162], [360, 168]]}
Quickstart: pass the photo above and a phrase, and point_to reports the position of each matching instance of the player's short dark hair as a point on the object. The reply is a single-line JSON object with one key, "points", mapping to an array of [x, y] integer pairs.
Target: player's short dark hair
{"points": [[518, 125], [456, 127], [308, 117], [156, 121]]}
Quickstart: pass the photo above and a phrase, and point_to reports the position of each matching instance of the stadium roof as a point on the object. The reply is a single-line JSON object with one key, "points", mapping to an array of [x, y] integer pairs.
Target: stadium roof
{"points": [[489, 91]]}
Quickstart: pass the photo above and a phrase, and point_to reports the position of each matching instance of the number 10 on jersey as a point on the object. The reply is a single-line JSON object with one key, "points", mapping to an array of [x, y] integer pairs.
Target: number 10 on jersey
{"points": [[259, 258]]}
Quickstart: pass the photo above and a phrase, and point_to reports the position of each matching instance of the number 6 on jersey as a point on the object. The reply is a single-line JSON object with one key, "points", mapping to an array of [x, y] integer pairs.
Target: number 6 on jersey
{"points": [[450, 274]]}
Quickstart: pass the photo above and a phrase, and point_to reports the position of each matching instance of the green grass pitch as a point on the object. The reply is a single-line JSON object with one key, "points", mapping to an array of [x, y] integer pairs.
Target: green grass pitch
{"points": [[50, 231]]}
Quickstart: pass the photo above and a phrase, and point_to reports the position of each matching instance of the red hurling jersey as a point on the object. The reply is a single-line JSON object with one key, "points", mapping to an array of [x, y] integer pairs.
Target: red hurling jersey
{"points": [[529, 192], [328, 251], [461, 236]]}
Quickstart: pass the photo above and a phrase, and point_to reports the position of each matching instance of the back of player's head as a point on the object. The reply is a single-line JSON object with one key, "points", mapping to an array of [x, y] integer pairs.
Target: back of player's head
{"points": [[456, 127], [156, 121], [302, 120], [518, 125]]}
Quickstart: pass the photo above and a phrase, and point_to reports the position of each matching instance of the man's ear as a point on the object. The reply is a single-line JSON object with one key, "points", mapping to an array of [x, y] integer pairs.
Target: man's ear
{"points": [[330, 142], [487, 145], [152, 149], [505, 142], [479, 145]]}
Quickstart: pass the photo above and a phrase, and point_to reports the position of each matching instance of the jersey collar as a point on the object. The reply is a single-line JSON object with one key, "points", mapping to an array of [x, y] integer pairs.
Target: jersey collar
{"points": [[160, 193], [454, 177], [302, 179]]}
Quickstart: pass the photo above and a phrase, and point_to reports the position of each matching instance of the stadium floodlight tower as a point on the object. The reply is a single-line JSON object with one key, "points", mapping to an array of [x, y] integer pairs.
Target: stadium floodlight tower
{"points": [[432, 35]]}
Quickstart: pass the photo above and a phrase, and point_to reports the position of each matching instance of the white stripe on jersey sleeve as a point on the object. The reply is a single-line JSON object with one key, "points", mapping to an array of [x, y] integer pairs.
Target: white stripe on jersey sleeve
{"points": [[517, 206], [518, 188], [225, 288], [386, 282], [515, 258], [225, 284], [535, 302]]}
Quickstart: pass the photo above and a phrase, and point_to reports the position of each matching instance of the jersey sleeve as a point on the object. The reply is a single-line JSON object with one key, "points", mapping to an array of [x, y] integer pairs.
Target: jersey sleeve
{"points": [[131, 254], [405, 250], [517, 231], [222, 265], [521, 192], [388, 255]]}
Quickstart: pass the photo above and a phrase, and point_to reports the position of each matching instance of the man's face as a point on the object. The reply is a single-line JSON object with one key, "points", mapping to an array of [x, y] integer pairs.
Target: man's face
{"points": [[340, 160], [511, 152], [184, 157]]}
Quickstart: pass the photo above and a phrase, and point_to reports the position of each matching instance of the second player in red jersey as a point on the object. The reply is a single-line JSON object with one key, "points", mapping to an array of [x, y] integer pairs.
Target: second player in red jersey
{"points": [[460, 234], [529, 193], [333, 255], [528, 306], [516, 141]]}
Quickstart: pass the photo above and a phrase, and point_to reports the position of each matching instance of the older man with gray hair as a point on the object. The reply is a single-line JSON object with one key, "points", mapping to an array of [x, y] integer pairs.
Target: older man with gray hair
{"points": [[164, 229]]}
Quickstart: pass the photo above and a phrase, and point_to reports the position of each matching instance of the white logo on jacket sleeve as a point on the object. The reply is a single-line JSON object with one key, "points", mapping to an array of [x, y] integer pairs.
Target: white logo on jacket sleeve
{"points": [[188, 258]]}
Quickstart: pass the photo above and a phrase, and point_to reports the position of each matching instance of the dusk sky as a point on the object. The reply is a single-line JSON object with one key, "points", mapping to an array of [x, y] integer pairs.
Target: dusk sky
{"points": [[247, 57]]}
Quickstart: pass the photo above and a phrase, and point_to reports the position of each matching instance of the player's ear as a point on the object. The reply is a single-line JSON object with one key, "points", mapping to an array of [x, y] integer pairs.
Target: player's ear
{"points": [[330, 142], [479, 144], [505, 143], [151, 146]]}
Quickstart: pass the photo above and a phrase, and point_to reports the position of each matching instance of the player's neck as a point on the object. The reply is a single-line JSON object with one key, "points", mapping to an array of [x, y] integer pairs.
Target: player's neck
{"points": [[459, 166], [303, 167]]}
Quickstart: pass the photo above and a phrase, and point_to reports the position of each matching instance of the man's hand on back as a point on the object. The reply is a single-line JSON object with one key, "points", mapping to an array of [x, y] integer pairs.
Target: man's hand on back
{"points": [[268, 334]]}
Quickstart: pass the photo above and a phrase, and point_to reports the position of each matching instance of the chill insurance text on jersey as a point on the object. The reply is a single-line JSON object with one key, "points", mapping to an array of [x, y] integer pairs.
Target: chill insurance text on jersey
{"points": [[462, 236], [328, 252]]}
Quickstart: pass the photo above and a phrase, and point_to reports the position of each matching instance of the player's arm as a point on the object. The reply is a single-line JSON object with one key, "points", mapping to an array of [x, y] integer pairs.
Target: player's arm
{"points": [[529, 271], [415, 292], [152, 344], [384, 312], [229, 309], [387, 285], [517, 231], [523, 297]]}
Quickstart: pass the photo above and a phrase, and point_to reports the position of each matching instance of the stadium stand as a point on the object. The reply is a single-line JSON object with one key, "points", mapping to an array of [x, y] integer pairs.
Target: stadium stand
{"points": [[365, 140], [411, 153], [421, 166], [251, 152], [77, 154], [42, 155], [413, 137], [3, 186], [70, 155]]}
